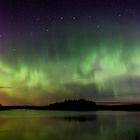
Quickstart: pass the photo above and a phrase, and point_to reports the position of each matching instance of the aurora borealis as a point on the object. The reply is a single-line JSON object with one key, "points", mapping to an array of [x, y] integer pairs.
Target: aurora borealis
{"points": [[52, 50]]}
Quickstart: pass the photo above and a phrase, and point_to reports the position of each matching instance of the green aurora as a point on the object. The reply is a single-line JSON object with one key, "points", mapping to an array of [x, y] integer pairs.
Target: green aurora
{"points": [[70, 65]]}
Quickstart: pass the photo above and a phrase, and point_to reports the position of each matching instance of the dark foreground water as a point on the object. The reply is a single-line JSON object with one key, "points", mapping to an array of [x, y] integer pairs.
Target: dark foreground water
{"points": [[57, 125]]}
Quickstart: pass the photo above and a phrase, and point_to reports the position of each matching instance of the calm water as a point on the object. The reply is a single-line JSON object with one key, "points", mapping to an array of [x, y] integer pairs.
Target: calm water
{"points": [[53, 125]]}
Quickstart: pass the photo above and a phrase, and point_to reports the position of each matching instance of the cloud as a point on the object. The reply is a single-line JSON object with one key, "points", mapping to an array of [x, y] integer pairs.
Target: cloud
{"points": [[88, 91]]}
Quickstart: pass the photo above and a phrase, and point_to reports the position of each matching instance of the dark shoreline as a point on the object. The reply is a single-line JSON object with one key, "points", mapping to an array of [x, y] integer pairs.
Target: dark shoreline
{"points": [[77, 105], [97, 108]]}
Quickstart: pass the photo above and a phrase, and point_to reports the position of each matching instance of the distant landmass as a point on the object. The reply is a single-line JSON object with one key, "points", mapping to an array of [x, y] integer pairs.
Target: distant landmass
{"points": [[77, 105]]}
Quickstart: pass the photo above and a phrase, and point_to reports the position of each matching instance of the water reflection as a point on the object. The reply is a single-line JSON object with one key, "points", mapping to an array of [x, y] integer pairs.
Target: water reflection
{"points": [[86, 118], [43, 125]]}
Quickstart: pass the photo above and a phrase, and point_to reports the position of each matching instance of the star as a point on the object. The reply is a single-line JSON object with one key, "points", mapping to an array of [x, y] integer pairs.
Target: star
{"points": [[119, 15], [61, 18], [98, 26], [74, 18], [14, 49], [37, 19], [89, 16], [47, 30]]}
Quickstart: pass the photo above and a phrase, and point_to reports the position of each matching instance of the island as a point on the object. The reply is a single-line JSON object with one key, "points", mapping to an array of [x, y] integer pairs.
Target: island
{"points": [[77, 105]]}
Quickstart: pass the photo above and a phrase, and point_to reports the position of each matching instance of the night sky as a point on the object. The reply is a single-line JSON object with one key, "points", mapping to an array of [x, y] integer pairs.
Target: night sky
{"points": [[52, 50]]}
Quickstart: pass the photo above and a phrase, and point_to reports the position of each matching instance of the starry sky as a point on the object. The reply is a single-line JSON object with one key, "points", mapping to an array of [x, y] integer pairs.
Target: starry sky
{"points": [[52, 50]]}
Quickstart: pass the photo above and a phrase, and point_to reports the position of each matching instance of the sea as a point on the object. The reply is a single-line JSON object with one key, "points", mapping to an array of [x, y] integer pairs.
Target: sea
{"points": [[69, 125]]}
